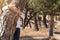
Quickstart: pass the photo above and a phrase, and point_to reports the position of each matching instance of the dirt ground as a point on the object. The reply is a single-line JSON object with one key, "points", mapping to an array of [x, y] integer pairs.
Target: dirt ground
{"points": [[31, 32]]}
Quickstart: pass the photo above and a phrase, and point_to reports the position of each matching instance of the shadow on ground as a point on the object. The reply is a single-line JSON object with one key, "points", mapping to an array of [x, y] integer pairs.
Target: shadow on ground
{"points": [[31, 38], [57, 32]]}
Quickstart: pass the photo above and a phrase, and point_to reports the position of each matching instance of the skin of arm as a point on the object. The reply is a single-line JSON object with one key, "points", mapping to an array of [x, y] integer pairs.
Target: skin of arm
{"points": [[14, 9]]}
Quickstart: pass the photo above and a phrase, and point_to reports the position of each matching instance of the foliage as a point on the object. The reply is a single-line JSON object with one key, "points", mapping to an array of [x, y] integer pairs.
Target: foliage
{"points": [[2, 2], [44, 5]]}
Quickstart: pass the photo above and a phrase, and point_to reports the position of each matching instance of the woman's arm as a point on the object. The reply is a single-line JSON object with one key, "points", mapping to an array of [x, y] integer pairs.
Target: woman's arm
{"points": [[14, 9]]}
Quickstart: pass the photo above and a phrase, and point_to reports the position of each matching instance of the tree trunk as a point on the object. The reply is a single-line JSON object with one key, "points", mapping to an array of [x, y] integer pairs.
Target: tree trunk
{"points": [[44, 21], [10, 27], [51, 27], [36, 24], [22, 4]]}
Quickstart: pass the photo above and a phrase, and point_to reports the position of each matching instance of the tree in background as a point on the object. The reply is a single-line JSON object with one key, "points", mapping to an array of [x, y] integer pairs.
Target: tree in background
{"points": [[47, 7]]}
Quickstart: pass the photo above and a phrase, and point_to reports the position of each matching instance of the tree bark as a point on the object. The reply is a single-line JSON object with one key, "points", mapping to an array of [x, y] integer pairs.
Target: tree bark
{"points": [[22, 4], [51, 26]]}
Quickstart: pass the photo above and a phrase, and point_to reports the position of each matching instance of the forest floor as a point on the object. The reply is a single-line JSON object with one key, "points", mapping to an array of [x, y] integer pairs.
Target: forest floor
{"points": [[43, 33]]}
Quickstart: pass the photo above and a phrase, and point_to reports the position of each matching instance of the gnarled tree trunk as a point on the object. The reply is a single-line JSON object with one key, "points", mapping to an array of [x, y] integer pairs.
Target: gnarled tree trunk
{"points": [[10, 20]]}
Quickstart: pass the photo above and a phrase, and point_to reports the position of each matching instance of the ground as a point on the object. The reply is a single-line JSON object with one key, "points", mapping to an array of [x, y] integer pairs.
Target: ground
{"points": [[43, 33]]}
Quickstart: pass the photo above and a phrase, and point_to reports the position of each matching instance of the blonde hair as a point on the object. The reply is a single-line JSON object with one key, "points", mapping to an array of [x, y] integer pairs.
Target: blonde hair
{"points": [[6, 2]]}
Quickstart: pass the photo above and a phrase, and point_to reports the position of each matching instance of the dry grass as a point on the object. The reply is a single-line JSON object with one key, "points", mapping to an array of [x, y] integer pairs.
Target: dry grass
{"points": [[43, 32], [32, 32]]}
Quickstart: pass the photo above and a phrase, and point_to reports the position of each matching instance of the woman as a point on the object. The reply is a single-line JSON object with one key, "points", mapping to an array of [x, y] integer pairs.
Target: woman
{"points": [[9, 13], [17, 31], [19, 12]]}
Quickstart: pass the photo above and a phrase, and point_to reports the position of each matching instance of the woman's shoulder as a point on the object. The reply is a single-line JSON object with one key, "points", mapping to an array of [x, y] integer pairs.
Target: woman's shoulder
{"points": [[5, 7]]}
